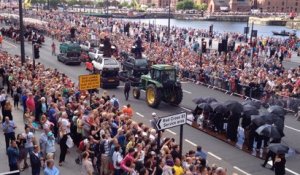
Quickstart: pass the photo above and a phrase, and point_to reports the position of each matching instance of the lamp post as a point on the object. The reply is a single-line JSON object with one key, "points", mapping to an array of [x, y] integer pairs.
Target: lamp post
{"points": [[107, 12], [169, 19], [21, 32]]}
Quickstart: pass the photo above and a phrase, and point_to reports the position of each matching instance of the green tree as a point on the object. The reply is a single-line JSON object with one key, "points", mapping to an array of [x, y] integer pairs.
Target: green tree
{"points": [[185, 5], [114, 3], [202, 6], [54, 3], [124, 4], [100, 4], [72, 2]]}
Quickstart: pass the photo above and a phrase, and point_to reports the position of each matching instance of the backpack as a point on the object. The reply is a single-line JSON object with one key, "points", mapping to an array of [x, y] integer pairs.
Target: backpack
{"points": [[116, 103]]}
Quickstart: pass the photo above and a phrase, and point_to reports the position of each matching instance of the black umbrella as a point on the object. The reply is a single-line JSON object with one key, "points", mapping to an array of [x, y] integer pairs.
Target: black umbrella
{"points": [[279, 123], [269, 131], [234, 106], [250, 110], [258, 120], [278, 148], [269, 118], [218, 107], [198, 100], [257, 104], [278, 110], [210, 100], [205, 106]]}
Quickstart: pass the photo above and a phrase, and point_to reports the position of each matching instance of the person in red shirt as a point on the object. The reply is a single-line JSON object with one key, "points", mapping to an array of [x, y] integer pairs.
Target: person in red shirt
{"points": [[30, 103], [128, 111], [128, 160]]}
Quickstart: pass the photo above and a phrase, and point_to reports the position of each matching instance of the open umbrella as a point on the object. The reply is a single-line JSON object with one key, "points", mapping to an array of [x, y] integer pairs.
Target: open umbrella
{"points": [[257, 104], [198, 100], [234, 106], [205, 106], [279, 123], [250, 110], [278, 110], [278, 148], [218, 107], [210, 100], [269, 131], [258, 120], [269, 118]]}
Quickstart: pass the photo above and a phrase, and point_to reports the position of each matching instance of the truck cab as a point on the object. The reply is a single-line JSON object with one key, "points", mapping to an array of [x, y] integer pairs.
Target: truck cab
{"points": [[88, 45], [108, 68]]}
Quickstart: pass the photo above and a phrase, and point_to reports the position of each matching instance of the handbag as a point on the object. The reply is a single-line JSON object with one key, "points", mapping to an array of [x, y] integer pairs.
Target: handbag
{"points": [[69, 142]]}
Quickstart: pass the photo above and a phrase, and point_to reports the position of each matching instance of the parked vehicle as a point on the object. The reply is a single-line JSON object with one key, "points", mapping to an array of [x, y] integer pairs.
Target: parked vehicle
{"points": [[88, 45], [69, 47], [108, 68], [69, 58]]}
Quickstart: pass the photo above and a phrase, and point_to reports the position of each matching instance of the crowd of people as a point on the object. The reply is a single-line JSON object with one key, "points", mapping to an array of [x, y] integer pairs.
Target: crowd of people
{"points": [[254, 70], [108, 141], [104, 131]]}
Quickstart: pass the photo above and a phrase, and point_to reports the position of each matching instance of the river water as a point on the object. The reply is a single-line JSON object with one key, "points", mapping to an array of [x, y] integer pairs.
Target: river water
{"points": [[219, 26]]}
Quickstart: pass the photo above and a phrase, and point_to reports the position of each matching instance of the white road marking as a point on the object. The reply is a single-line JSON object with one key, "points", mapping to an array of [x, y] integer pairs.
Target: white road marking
{"points": [[121, 86], [289, 170], [297, 130], [171, 132], [293, 172], [141, 115], [185, 109], [184, 82], [10, 172], [190, 142], [10, 44], [215, 156], [242, 171], [187, 91]]}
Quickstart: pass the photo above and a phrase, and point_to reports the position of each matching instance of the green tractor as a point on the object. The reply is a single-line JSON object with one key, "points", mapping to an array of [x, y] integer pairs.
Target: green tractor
{"points": [[160, 84]]}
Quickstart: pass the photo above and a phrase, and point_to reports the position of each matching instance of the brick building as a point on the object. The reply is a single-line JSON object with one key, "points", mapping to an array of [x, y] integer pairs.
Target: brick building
{"points": [[286, 6], [229, 5]]}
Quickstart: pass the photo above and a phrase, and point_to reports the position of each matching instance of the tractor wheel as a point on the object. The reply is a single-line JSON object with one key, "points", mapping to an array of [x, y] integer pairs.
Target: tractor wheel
{"points": [[153, 96], [136, 92], [176, 96]]}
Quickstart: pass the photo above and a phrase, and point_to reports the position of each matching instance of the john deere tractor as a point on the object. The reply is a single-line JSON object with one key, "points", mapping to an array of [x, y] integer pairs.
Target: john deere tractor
{"points": [[160, 84]]}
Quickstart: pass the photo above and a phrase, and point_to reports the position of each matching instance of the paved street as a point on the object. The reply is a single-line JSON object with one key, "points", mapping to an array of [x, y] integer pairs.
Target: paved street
{"points": [[219, 152]]}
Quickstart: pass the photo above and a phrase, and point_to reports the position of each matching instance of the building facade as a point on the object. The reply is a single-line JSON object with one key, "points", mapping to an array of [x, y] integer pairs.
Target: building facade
{"points": [[229, 5], [285, 6]]}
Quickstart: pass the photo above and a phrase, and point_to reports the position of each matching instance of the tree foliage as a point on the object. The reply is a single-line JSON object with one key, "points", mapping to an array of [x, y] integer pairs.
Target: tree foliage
{"points": [[54, 3], [202, 6], [185, 5]]}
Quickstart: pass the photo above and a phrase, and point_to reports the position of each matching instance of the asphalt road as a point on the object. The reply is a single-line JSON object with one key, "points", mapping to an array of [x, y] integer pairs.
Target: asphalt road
{"points": [[218, 151]]}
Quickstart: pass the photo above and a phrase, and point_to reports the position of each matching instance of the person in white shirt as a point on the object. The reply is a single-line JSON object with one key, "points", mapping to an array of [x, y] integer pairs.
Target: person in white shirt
{"points": [[29, 136], [117, 158]]}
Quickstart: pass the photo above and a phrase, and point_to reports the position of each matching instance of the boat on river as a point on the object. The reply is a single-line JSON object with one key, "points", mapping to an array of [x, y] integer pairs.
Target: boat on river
{"points": [[284, 33]]}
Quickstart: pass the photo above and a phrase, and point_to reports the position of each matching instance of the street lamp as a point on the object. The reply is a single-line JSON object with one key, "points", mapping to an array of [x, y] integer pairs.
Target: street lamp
{"points": [[169, 19], [21, 32]]}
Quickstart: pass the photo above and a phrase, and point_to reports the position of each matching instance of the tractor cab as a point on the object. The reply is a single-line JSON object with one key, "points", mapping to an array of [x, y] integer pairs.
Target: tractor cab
{"points": [[160, 84], [164, 76]]}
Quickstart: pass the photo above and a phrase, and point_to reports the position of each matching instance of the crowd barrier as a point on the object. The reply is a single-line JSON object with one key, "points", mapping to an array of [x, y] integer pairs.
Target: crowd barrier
{"points": [[232, 86]]}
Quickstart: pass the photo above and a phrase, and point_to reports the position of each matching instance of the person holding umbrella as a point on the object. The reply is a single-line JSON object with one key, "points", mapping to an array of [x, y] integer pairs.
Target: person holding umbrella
{"points": [[269, 155], [279, 164], [275, 149]]}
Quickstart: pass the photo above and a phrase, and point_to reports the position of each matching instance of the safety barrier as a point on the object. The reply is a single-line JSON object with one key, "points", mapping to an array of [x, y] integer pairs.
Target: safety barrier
{"points": [[232, 86]]}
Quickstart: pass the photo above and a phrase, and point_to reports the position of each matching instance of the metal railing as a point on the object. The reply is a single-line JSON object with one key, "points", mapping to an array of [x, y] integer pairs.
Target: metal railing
{"points": [[232, 86]]}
